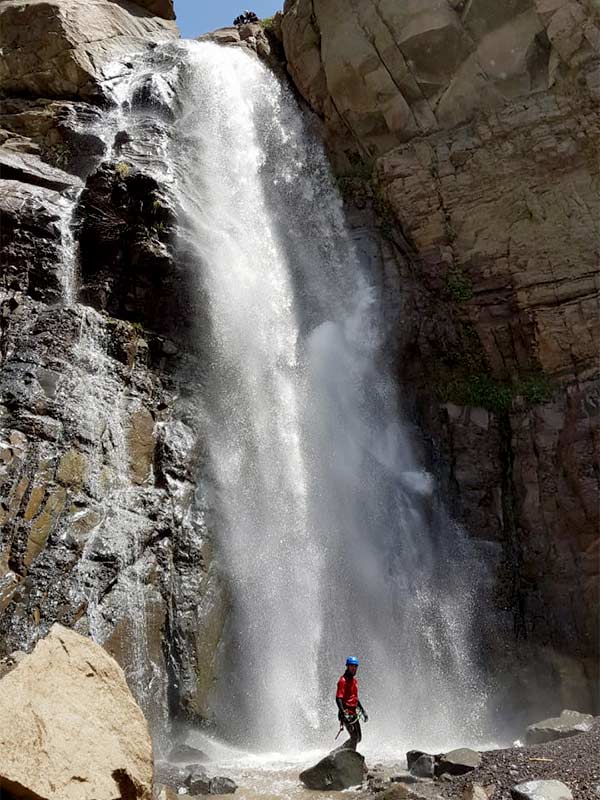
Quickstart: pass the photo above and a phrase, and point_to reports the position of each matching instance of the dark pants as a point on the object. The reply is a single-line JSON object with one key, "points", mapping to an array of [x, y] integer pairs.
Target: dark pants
{"points": [[355, 732]]}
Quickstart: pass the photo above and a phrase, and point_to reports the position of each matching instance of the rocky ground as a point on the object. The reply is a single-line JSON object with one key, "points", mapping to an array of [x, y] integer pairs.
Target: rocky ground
{"points": [[574, 761]]}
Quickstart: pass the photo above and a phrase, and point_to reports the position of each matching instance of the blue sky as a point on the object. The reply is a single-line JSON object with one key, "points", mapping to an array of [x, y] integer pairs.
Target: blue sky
{"points": [[199, 16]]}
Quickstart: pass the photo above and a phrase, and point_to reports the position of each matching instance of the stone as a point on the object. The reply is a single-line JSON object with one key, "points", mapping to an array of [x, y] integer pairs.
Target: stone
{"points": [[198, 781], [423, 766], [27, 168], [70, 49], [403, 777], [10, 662], [458, 762], [475, 792], [171, 775], [570, 723], [222, 785], [186, 754], [69, 726], [341, 769], [541, 790]]}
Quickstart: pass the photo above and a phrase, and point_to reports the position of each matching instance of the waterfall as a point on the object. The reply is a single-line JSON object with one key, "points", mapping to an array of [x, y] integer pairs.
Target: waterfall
{"points": [[331, 535]]}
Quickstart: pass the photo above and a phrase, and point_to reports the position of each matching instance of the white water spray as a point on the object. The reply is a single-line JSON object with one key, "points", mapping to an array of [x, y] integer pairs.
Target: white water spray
{"points": [[331, 534]]}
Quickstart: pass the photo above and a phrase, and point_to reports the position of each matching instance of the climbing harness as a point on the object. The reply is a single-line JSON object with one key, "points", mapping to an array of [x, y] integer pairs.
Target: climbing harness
{"points": [[358, 715]]}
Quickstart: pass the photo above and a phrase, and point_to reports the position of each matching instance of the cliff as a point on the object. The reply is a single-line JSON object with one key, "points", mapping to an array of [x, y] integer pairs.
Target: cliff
{"points": [[471, 130], [103, 528]]}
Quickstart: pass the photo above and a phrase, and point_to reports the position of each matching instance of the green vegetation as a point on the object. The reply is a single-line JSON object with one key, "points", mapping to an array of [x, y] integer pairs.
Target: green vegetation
{"points": [[481, 390], [463, 376], [122, 169], [458, 285], [267, 23]]}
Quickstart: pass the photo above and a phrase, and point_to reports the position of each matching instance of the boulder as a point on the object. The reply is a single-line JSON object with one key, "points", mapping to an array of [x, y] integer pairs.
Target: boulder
{"points": [[186, 754], [458, 762], [570, 723], [423, 766], [69, 49], [172, 775], [541, 790], [198, 781], [341, 769], [222, 785], [70, 728]]}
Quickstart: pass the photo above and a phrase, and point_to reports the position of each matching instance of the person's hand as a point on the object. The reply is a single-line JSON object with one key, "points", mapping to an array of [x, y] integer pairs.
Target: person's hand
{"points": [[365, 716]]}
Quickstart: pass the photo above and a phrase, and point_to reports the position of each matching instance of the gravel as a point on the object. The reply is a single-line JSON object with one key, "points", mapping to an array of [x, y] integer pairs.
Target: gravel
{"points": [[574, 761]]}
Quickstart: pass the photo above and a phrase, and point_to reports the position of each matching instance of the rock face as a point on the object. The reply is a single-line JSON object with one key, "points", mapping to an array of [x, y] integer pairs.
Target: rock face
{"points": [[570, 723], [102, 528], [341, 769], [69, 48], [471, 129], [69, 726]]}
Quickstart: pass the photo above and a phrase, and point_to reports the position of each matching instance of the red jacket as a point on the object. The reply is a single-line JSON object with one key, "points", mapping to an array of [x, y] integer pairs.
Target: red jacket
{"points": [[347, 691]]}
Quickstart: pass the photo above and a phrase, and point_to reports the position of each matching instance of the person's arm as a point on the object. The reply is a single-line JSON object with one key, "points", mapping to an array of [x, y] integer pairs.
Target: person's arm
{"points": [[364, 713]]}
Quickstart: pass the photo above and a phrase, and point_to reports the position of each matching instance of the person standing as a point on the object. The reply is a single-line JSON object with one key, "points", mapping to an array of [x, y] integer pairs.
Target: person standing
{"points": [[349, 705]]}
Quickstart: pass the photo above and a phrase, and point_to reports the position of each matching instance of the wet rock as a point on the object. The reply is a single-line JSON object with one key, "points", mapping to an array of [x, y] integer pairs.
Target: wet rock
{"points": [[458, 762], [30, 235], [570, 723], [27, 168], [222, 785], [127, 260], [198, 781], [171, 775], [341, 769], [423, 766], [541, 790], [95, 739], [185, 753]]}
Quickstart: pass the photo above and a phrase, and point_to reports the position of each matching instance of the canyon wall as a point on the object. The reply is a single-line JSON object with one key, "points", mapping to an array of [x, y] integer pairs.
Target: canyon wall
{"points": [[471, 129], [103, 526]]}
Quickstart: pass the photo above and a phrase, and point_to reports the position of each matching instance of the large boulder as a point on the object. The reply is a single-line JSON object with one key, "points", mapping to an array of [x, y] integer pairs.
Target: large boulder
{"points": [[341, 769], [69, 48], [570, 723], [69, 726]]}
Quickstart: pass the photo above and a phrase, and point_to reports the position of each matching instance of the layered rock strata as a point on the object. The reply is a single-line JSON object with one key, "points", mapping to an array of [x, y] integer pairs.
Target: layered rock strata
{"points": [[472, 129]]}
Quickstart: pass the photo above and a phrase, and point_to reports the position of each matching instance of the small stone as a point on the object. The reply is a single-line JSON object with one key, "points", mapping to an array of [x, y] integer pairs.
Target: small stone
{"points": [[475, 792]]}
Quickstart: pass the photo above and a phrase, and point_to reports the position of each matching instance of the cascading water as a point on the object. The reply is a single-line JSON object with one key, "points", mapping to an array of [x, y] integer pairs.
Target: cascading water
{"points": [[329, 531], [331, 534]]}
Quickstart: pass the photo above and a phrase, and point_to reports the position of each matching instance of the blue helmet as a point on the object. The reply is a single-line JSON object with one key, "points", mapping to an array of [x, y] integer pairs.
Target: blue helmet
{"points": [[352, 660]]}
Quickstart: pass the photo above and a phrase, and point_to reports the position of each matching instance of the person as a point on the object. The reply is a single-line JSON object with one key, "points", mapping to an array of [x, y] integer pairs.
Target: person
{"points": [[349, 705]]}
